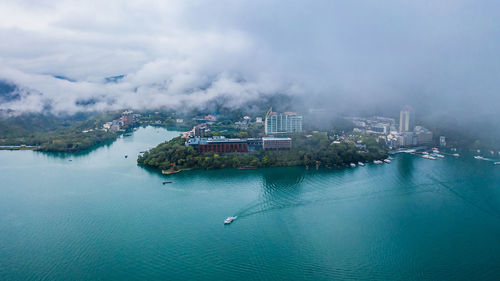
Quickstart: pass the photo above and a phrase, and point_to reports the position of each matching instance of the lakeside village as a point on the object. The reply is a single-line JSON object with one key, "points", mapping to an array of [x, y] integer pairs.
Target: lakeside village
{"points": [[281, 141]]}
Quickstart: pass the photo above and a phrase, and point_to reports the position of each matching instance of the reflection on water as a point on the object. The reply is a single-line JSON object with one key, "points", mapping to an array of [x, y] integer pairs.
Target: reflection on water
{"points": [[405, 167]]}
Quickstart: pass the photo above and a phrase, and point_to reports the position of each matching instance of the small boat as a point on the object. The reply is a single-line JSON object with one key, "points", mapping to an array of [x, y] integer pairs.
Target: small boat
{"points": [[426, 156], [361, 164], [425, 153], [229, 220], [246, 168], [440, 155], [165, 182], [432, 158], [387, 161], [456, 154], [497, 163], [479, 157], [378, 162], [353, 165]]}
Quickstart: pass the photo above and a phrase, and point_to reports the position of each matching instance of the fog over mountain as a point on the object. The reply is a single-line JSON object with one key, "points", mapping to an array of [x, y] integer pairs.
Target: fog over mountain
{"points": [[70, 56]]}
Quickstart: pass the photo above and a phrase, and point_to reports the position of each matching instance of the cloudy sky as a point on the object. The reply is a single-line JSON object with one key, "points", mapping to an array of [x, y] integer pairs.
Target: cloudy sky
{"points": [[178, 53]]}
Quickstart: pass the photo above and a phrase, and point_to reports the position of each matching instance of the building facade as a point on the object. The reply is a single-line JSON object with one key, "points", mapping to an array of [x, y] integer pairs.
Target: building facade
{"points": [[442, 141], [424, 136], [406, 120], [282, 123], [276, 143]]}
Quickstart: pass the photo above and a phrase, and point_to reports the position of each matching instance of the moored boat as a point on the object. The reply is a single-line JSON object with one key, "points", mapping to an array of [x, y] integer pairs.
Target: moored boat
{"points": [[361, 164], [353, 165], [387, 161]]}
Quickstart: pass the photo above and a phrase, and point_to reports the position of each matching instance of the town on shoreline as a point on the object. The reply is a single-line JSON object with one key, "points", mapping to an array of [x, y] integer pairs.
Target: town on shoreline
{"points": [[233, 139]]}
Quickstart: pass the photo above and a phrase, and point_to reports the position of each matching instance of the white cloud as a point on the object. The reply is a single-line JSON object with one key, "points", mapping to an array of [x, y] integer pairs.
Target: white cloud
{"points": [[188, 52]]}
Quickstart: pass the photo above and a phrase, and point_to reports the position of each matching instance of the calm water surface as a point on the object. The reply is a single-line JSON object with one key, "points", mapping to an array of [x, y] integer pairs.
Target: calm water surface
{"points": [[101, 217]]}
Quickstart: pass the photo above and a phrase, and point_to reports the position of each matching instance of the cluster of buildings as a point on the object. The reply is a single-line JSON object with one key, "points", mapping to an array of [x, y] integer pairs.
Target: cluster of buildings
{"points": [[127, 119], [274, 124], [402, 134], [282, 123], [374, 125], [228, 145]]}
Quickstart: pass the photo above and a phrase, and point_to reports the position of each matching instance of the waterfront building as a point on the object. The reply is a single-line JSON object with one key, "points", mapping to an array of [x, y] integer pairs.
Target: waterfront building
{"points": [[269, 143], [423, 135], [406, 139], [442, 141], [254, 144], [218, 144], [127, 118], [258, 120], [282, 123], [406, 119]]}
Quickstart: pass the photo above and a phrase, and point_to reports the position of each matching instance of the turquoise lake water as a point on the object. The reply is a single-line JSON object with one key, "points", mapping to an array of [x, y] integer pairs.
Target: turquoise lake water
{"points": [[102, 217]]}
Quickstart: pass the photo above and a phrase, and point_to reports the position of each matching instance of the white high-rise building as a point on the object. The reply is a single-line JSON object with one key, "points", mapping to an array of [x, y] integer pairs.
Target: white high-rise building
{"points": [[282, 123], [406, 120]]}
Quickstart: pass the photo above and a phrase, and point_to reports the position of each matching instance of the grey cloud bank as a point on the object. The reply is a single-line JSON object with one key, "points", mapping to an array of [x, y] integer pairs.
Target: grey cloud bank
{"points": [[435, 55]]}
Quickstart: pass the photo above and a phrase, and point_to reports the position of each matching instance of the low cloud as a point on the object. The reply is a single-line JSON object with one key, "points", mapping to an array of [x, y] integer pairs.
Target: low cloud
{"points": [[437, 56]]}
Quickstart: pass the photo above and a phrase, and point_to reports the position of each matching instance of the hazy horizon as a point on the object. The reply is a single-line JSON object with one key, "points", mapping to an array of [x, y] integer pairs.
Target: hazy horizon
{"points": [[69, 56]]}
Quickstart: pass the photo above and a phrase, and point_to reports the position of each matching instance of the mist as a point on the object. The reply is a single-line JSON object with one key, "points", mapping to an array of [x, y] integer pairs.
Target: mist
{"points": [[347, 57]]}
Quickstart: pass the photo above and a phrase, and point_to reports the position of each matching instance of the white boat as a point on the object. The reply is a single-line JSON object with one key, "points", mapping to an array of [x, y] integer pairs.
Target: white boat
{"points": [[479, 157], [387, 161], [497, 163], [426, 156], [353, 165], [361, 164], [439, 155], [456, 154], [229, 220], [432, 158], [378, 162], [425, 153]]}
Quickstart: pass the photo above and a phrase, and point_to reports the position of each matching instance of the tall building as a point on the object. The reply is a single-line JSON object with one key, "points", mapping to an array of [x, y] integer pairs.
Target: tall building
{"points": [[281, 123], [406, 119], [442, 141]]}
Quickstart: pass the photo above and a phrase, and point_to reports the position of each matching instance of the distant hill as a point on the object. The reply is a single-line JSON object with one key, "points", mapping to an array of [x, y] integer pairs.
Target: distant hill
{"points": [[8, 92], [114, 79]]}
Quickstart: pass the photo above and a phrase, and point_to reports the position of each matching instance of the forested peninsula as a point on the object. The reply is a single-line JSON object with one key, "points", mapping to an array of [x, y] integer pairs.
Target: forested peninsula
{"points": [[307, 150]]}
